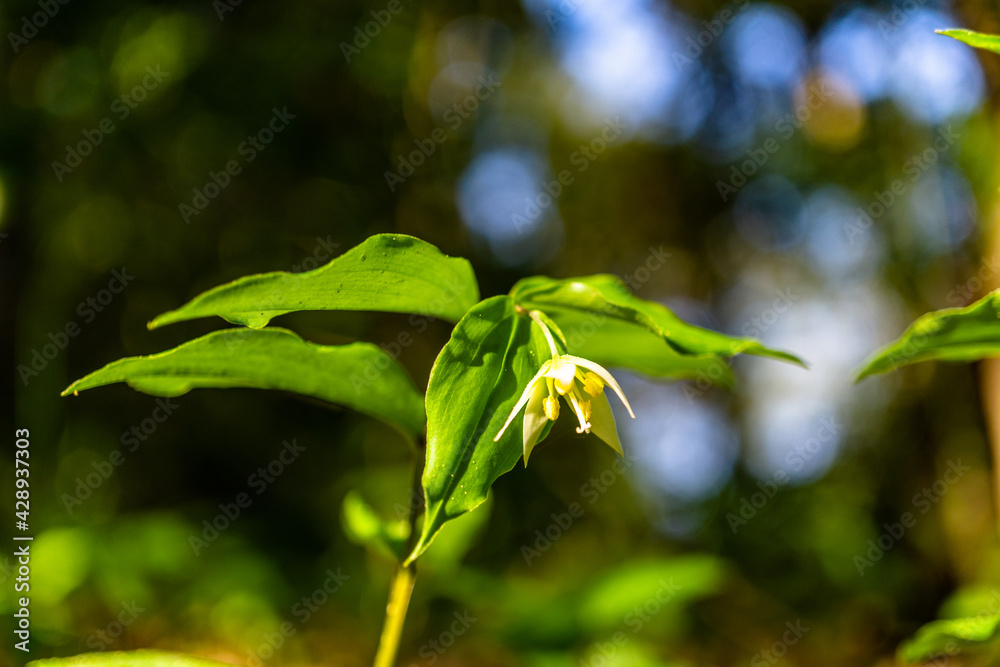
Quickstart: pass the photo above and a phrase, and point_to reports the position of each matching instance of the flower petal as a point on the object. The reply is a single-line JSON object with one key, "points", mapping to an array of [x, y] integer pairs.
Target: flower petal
{"points": [[524, 398], [535, 418], [604, 375], [602, 423], [562, 373]]}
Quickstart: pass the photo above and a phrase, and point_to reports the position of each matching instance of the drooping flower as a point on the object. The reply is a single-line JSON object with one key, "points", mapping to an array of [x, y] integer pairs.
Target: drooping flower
{"points": [[580, 382]]}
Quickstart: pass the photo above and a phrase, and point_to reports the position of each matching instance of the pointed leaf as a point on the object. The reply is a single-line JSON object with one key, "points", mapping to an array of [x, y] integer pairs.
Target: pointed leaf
{"points": [[980, 40], [543, 293], [952, 334], [388, 272], [143, 658], [947, 637], [616, 344], [608, 295], [477, 378], [360, 375]]}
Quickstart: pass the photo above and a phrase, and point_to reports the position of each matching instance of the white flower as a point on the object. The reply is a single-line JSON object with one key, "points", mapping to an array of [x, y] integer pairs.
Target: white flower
{"points": [[580, 383]]}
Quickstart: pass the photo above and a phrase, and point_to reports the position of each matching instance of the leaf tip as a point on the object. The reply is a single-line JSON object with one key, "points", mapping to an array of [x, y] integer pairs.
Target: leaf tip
{"points": [[795, 359], [864, 373], [161, 320]]}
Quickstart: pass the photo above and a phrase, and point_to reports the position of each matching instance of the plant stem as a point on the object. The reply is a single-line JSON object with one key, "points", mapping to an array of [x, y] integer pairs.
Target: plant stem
{"points": [[395, 615], [545, 330], [404, 578]]}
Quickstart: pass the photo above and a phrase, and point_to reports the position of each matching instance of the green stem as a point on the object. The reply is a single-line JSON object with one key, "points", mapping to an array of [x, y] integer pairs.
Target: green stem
{"points": [[403, 579], [395, 615], [534, 314]]}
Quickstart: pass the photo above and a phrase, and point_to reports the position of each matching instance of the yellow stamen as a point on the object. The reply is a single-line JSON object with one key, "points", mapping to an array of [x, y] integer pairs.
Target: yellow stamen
{"points": [[552, 407], [592, 384], [585, 410]]}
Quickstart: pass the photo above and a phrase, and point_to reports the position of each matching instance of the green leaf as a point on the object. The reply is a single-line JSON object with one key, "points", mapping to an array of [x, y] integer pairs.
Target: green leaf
{"points": [[947, 637], [578, 294], [952, 334], [616, 344], [477, 378], [364, 526], [360, 375], [143, 658], [980, 40], [387, 272], [608, 295]]}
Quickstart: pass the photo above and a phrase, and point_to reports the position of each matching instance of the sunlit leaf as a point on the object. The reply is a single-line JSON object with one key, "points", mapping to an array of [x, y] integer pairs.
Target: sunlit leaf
{"points": [[142, 658], [980, 40], [952, 334], [608, 296], [477, 378], [388, 272], [360, 375], [616, 344], [578, 294], [363, 525], [947, 637]]}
